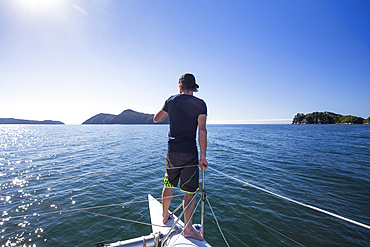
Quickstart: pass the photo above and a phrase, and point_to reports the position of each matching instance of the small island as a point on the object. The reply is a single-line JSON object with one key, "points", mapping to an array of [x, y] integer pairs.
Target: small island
{"points": [[126, 117], [328, 118], [24, 121]]}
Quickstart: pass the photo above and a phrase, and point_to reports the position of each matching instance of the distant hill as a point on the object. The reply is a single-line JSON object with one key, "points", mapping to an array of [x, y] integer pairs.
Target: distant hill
{"points": [[23, 121], [101, 118], [126, 117], [328, 118]]}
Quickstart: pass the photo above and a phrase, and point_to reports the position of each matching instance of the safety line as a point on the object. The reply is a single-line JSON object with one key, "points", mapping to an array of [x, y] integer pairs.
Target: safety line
{"points": [[269, 228], [297, 202], [174, 211], [191, 217], [219, 228], [232, 235], [35, 200], [91, 175], [19, 197], [79, 209], [179, 217], [118, 218]]}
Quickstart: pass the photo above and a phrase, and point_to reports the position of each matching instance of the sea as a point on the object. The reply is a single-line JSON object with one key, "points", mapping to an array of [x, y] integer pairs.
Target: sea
{"points": [[65, 185]]}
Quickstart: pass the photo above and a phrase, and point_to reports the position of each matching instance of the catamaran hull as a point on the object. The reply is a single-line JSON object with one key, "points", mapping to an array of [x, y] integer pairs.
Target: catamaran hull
{"points": [[147, 241]]}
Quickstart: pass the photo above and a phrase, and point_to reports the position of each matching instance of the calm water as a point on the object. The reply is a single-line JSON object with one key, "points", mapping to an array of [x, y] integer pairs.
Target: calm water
{"points": [[48, 169]]}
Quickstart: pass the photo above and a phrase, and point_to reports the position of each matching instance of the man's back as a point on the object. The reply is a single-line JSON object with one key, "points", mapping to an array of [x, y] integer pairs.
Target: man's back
{"points": [[183, 111]]}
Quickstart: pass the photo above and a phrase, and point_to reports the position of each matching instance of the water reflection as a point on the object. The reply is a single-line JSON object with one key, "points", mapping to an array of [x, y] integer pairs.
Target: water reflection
{"points": [[16, 166]]}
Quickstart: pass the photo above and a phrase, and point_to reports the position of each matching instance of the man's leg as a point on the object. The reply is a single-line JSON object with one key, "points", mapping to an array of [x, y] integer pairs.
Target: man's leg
{"points": [[167, 192], [189, 231]]}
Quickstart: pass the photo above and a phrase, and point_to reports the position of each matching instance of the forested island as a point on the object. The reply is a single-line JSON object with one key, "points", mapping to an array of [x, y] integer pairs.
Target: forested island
{"points": [[126, 117], [328, 118], [24, 121]]}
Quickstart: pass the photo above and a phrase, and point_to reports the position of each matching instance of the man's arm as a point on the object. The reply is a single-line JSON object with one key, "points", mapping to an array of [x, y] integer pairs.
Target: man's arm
{"points": [[202, 139], [160, 116]]}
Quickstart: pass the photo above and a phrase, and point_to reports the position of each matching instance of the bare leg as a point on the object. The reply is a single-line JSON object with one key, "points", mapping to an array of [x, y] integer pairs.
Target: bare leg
{"points": [[167, 192], [189, 231]]}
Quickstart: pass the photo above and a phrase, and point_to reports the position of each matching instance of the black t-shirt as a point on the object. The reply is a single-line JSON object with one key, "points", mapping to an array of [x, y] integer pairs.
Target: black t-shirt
{"points": [[183, 111]]}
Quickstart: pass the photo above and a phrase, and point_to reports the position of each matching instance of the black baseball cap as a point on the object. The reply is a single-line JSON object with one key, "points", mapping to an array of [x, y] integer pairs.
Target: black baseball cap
{"points": [[188, 80]]}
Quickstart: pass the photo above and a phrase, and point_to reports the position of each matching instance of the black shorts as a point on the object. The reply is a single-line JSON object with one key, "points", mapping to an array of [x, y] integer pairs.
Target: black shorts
{"points": [[184, 166]]}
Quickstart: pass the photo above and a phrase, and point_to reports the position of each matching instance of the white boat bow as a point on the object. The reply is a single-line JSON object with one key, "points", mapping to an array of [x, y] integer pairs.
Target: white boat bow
{"points": [[160, 231]]}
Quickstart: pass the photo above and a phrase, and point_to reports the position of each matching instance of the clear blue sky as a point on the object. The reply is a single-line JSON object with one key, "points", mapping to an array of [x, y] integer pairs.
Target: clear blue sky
{"points": [[259, 60]]}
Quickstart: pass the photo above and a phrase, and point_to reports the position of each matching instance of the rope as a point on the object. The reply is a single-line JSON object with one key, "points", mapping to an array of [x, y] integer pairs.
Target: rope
{"points": [[35, 200], [269, 227], [117, 218], [188, 221], [92, 175], [219, 228], [19, 197], [297, 202], [178, 218], [233, 235], [174, 211], [77, 209]]}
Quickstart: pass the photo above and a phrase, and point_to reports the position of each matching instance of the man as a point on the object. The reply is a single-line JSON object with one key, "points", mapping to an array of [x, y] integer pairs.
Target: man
{"points": [[186, 112]]}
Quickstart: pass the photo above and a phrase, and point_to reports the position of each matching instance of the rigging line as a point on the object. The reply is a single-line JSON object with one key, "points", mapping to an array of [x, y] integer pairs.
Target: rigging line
{"points": [[35, 200], [269, 227], [82, 175], [81, 209], [92, 175], [174, 211], [113, 217], [219, 228], [297, 202], [232, 235], [19, 197], [178, 218], [117, 218], [188, 221]]}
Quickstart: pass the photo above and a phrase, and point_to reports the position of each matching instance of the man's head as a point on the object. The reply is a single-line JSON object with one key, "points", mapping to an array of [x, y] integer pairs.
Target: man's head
{"points": [[187, 83]]}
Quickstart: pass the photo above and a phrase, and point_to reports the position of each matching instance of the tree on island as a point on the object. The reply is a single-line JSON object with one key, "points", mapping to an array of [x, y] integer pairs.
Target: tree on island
{"points": [[328, 118]]}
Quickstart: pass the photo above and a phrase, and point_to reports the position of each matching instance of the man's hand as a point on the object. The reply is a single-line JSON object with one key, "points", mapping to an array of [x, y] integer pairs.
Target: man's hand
{"points": [[203, 163]]}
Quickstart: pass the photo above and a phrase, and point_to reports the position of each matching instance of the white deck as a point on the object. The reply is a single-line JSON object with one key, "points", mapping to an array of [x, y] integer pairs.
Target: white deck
{"points": [[175, 239]]}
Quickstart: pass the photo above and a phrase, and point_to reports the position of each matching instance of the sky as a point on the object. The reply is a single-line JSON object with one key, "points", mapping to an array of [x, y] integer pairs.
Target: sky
{"points": [[255, 61]]}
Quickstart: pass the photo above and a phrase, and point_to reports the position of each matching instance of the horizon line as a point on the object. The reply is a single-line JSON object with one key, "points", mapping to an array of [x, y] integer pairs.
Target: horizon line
{"points": [[252, 121]]}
